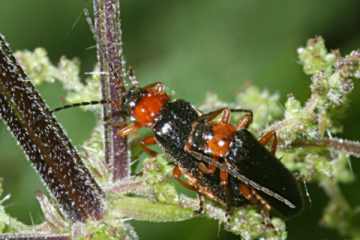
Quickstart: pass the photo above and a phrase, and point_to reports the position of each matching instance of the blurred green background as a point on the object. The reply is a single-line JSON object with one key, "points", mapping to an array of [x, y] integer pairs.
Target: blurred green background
{"points": [[194, 47]]}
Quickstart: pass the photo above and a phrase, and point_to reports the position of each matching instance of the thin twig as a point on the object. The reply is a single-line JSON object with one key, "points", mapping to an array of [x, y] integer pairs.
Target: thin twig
{"points": [[343, 145]]}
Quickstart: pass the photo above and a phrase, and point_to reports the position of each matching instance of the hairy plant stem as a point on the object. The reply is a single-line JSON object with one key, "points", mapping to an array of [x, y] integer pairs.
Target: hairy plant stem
{"points": [[45, 143], [37, 236], [347, 146], [110, 57]]}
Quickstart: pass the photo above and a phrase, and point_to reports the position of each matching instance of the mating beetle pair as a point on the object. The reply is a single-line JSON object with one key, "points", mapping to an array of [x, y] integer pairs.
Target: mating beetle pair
{"points": [[217, 159], [223, 162]]}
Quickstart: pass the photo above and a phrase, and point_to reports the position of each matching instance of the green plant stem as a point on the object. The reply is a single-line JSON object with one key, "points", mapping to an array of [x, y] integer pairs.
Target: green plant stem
{"points": [[347, 146]]}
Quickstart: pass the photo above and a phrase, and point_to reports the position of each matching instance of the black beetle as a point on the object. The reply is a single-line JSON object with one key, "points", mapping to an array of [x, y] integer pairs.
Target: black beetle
{"points": [[263, 179]]}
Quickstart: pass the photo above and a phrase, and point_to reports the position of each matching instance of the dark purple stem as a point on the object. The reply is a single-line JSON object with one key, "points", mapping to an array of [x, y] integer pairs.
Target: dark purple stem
{"points": [[110, 56], [99, 36], [45, 143]]}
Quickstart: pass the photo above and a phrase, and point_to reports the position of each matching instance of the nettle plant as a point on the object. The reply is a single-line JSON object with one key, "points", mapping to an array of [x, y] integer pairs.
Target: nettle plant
{"points": [[92, 191]]}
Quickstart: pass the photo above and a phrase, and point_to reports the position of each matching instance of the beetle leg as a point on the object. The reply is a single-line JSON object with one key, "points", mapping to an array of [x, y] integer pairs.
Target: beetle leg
{"points": [[201, 208], [189, 184], [226, 117], [245, 192], [266, 218], [210, 169], [265, 207], [226, 114], [148, 140], [211, 115], [245, 121], [127, 130], [252, 196], [229, 209], [204, 158], [192, 184], [224, 182], [156, 88], [224, 177], [207, 169], [271, 135]]}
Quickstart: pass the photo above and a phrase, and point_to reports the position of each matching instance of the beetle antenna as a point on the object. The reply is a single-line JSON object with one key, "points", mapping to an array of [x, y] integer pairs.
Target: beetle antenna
{"points": [[80, 104], [242, 178], [307, 193]]}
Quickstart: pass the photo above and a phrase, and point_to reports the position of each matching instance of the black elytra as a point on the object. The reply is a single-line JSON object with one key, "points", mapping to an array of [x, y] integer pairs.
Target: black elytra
{"points": [[252, 164], [251, 159]]}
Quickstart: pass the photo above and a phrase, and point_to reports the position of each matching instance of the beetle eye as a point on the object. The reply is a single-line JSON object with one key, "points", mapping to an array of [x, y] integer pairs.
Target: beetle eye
{"points": [[207, 136], [131, 98], [199, 136], [197, 133]]}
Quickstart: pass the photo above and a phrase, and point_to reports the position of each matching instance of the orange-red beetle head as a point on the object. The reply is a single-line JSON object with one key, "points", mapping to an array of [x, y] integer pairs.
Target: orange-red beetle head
{"points": [[145, 104]]}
